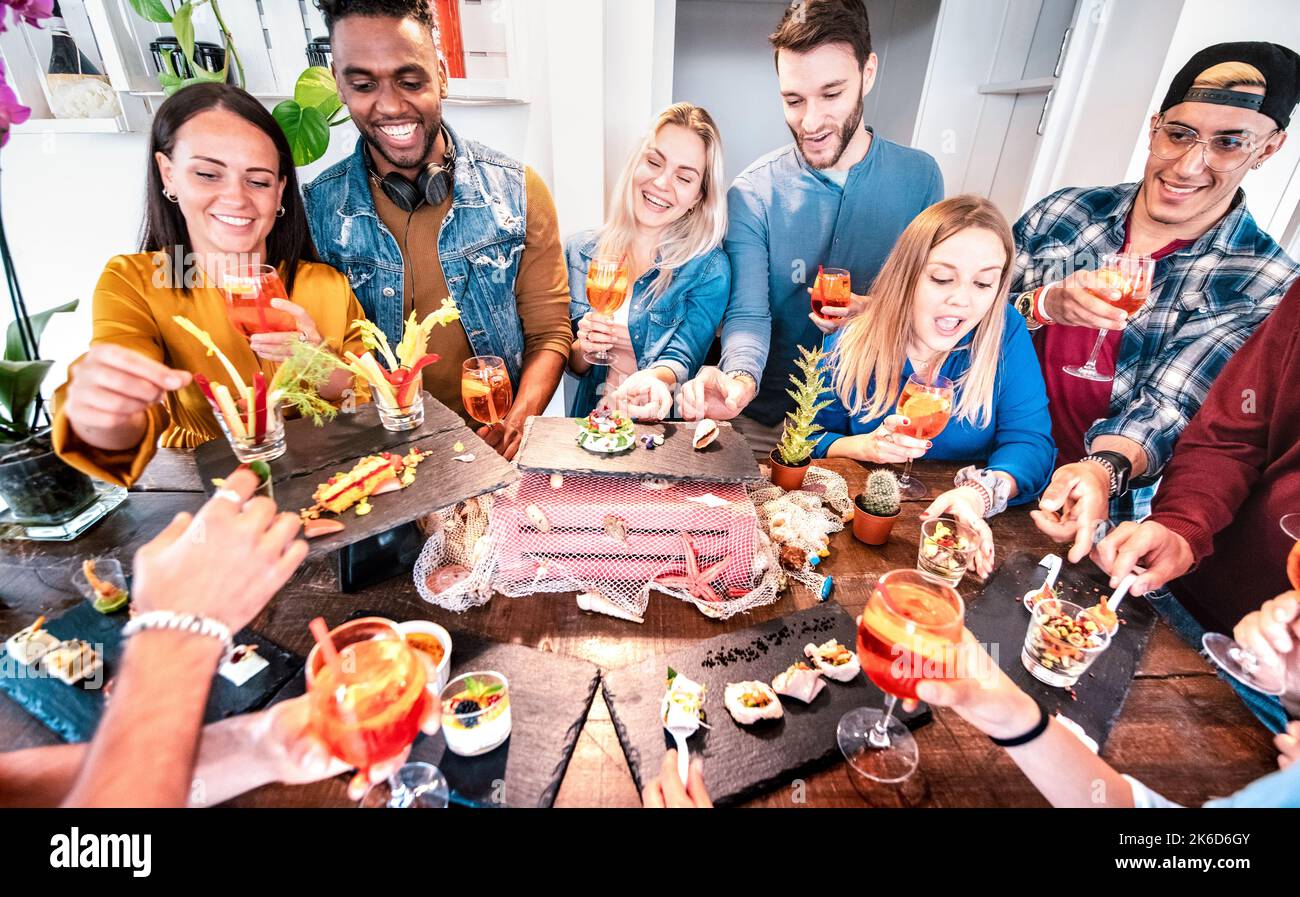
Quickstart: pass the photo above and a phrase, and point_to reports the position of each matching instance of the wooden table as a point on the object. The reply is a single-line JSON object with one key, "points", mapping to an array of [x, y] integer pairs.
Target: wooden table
{"points": [[1182, 730]]}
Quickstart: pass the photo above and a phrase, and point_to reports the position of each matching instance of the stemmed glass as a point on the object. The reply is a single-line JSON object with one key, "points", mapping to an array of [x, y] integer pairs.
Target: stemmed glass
{"points": [[927, 407], [485, 389], [1240, 663], [1131, 276], [909, 631], [606, 293], [249, 290], [367, 700]]}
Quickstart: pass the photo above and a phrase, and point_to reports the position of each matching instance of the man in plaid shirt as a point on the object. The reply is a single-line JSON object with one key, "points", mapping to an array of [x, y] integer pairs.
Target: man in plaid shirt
{"points": [[1217, 277]]}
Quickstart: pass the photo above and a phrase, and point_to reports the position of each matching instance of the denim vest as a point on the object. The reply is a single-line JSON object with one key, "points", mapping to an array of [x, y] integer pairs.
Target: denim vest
{"points": [[479, 246], [673, 330]]}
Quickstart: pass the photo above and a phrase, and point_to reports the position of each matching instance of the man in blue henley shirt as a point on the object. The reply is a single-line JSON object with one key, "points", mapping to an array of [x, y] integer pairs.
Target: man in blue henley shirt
{"points": [[839, 197]]}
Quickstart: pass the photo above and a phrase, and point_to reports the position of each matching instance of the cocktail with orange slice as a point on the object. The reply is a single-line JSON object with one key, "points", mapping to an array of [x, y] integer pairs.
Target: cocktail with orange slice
{"points": [[926, 404], [1128, 275], [485, 389]]}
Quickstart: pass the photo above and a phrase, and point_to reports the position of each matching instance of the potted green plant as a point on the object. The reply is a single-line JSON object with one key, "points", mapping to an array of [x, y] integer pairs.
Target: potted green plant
{"points": [[791, 457], [877, 507], [38, 487]]}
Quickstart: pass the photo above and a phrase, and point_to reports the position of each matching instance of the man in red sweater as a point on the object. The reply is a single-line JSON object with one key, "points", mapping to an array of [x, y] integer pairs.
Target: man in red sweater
{"points": [[1214, 533]]}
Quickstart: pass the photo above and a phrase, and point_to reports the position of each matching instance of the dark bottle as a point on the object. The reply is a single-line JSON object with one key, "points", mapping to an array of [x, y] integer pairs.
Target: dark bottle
{"points": [[65, 57]]}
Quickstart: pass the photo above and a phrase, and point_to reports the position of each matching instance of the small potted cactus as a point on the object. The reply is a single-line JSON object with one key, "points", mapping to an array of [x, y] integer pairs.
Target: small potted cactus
{"points": [[792, 455], [877, 508]]}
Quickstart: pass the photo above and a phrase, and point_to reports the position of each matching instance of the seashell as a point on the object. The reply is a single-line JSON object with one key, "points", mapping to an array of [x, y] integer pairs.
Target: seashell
{"points": [[594, 602], [321, 526], [387, 486], [656, 484], [466, 458], [616, 528], [557, 481], [539, 520], [705, 432]]}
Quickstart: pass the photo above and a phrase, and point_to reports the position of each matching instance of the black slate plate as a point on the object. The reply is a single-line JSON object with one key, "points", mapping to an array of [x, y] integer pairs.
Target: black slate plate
{"points": [[549, 699], [550, 445], [999, 621], [316, 453], [72, 711], [742, 761]]}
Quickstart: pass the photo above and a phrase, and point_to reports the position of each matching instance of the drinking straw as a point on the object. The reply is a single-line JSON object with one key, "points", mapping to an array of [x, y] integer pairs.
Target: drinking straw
{"points": [[259, 405], [321, 632]]}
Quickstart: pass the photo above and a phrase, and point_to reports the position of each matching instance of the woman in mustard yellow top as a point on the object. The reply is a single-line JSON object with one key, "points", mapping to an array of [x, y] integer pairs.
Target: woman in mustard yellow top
{"points": [[223, 191]]}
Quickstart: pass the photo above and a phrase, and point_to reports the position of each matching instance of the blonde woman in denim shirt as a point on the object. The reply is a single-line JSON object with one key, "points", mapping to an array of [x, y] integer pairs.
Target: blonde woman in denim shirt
{"points": [[668, 218]]}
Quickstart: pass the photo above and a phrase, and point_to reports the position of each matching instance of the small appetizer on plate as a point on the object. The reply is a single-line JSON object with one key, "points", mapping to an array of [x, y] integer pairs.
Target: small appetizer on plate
{"points": [[834, 660], [749, 702], [71, 661], [31, 644], [799, 681]]}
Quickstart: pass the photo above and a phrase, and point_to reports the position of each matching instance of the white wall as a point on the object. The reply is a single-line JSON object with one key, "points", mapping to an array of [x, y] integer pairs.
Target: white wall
{"points": [[723, 62]]}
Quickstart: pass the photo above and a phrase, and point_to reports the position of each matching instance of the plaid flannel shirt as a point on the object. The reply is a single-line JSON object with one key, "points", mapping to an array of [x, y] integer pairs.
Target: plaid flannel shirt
{"points": [[1207, 300]]}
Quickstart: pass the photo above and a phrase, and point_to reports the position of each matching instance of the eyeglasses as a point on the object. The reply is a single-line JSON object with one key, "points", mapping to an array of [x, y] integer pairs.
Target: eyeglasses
{"points": [[1222, 152]]}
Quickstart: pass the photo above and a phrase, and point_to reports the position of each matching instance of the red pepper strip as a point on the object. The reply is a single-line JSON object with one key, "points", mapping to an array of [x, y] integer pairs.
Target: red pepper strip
{"points": [[259, 407], [402, 378]]}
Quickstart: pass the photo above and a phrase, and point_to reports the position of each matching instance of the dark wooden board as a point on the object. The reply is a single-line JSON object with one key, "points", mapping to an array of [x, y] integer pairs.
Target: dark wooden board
{"points": [[550, 445], [742, 761], [315, 454], [999, 620], [72, 711], [549, 698]]}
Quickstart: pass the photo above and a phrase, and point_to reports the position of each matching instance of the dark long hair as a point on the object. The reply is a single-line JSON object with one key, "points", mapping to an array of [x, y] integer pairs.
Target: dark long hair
{"points": [[289, 241]]}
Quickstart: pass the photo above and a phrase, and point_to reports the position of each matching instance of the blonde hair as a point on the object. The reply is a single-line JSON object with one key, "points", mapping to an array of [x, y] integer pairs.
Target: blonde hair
{"points": [[868, 358], [699, 231], [1227, 75]]}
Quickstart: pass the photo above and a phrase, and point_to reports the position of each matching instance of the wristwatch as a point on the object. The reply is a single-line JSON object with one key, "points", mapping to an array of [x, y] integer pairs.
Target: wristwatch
{"points": [[1117, 466], [997, 491], [1024, 306]]}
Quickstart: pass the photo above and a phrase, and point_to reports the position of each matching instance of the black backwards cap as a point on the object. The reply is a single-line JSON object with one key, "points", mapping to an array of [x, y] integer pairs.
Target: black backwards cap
{"points": [[1279, 65]]}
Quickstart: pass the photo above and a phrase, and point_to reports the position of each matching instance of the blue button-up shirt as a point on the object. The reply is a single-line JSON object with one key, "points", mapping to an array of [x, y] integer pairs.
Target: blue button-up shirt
{"points": [[785, 219]]}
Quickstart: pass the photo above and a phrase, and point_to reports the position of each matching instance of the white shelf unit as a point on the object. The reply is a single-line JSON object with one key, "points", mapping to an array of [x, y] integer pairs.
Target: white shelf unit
{"points": [[271, 39]]}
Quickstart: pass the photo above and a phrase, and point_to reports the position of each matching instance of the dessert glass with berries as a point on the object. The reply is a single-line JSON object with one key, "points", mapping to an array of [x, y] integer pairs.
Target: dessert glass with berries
{"points": [[476, 713], [1062, 642]]}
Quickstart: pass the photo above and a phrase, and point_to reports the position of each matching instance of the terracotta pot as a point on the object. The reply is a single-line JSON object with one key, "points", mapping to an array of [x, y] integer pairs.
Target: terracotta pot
{"points": [[788, 477], [869, 528]]}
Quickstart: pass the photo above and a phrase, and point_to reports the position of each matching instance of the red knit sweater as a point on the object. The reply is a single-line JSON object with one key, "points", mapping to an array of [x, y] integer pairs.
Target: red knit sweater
{"points": [[1236, 472]]}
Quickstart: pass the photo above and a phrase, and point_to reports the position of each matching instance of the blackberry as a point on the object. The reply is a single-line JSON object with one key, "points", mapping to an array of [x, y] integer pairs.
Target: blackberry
{"points": [[465, 707]]}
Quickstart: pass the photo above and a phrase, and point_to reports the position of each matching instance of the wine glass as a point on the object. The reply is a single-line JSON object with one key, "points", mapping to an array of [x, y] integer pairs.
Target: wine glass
{"points": [[1131, 276], [366, 707], [415, 785], [831, 288], [1240, 663], [249, 290], [485, 388], [606, 293], [1290, 524], [908, 631], [927, 407]]}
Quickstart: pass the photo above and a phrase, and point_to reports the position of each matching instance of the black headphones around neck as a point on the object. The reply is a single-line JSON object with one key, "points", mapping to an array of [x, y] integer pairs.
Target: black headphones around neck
{"points": [[432, 186]]}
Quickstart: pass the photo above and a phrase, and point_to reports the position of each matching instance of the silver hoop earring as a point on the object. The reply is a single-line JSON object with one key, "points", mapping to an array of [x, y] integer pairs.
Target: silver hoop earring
{"points": [[1257, 166], [170, 197], [279, 213]]}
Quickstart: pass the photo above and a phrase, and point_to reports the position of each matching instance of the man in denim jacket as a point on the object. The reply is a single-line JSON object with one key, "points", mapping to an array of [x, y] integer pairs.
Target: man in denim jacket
{"points": [[419, 213]]}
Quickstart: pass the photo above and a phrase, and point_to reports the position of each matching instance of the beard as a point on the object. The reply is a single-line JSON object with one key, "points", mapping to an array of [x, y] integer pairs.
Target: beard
{"points": [[847, 130], [431, 131]]}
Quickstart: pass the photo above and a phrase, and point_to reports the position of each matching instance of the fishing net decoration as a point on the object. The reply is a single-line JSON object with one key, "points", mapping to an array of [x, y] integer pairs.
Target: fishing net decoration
{"points": [[706, 543]]}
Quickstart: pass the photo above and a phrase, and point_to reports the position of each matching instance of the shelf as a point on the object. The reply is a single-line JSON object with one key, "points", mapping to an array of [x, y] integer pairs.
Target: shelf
{"points": [[70, 126]]}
